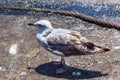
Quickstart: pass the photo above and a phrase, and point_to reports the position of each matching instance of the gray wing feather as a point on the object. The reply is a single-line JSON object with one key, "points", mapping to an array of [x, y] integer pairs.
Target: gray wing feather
{"points": [[67, 43]]}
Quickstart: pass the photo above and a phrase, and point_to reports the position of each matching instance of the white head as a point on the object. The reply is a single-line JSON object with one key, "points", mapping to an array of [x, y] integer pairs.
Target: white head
{"points": [[45, 27], [42, 24]]}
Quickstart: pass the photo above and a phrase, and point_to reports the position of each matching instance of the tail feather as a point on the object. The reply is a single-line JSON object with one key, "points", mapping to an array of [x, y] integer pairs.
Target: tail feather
{"points": [[106, 49], [101, 50], [94, 48]]}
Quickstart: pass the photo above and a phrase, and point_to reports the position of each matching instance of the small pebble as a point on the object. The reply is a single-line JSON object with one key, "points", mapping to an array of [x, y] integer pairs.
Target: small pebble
{"points": [[24, 73], [116, 47], [13, 49], [0, 68]]}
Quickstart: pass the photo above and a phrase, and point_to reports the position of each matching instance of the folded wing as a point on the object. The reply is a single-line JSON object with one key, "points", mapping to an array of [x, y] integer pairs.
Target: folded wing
{"points": [[72, 43]]}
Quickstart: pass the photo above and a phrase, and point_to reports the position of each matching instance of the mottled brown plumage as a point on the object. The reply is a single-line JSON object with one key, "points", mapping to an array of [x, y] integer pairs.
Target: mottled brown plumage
{"points": [[72, 44]]}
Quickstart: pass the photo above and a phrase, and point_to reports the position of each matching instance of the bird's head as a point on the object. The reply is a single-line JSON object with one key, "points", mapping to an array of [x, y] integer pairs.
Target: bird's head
{"points": [[42, 24]]}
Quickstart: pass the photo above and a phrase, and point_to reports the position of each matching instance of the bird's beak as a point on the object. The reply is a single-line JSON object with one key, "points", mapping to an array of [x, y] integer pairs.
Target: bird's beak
{"points": [[31, 24]]}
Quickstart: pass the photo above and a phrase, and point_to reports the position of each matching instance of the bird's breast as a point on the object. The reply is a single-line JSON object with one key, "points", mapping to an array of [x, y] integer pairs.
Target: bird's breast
{"points": [[42, 40]]}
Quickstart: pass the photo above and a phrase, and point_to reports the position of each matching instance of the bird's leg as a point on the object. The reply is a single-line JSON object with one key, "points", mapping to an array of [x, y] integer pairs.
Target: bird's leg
{"points": [[57, 62], [63, 68]]}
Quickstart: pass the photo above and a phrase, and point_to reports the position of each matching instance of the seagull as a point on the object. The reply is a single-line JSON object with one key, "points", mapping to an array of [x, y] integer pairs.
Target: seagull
{"points": [[64, 43]]}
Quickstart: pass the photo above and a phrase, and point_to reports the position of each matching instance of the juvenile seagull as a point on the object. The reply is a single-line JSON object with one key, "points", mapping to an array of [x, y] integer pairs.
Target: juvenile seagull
{"points": [[64, 43]]}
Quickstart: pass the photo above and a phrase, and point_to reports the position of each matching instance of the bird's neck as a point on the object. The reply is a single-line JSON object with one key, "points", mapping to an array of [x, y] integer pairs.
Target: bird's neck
{"points": [[44, 32]]}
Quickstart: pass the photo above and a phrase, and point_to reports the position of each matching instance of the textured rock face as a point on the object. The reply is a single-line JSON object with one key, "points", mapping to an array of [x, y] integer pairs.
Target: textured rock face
{"points": [[18, 45]]}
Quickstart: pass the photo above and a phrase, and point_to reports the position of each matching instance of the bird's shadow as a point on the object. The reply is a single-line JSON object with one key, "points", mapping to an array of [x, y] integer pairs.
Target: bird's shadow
{"points": [[48, 69]]}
